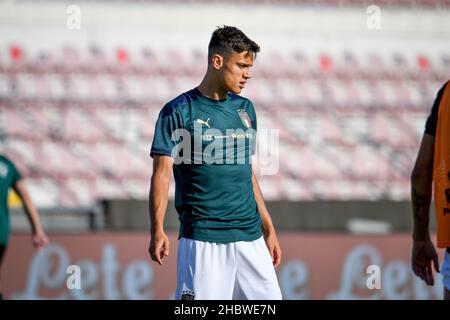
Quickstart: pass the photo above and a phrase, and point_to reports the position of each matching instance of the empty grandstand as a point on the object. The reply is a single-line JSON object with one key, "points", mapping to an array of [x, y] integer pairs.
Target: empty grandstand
{"points": [[77, 113]]}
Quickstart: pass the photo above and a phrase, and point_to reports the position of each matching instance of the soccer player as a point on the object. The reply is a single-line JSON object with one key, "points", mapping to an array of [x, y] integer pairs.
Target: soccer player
{"points": [[10, 177], [228, 248], [433, 165]]}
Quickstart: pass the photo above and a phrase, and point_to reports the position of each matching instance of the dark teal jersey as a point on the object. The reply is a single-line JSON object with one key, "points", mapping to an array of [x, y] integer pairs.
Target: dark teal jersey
{"points": [[211, 142], [8, 178]]}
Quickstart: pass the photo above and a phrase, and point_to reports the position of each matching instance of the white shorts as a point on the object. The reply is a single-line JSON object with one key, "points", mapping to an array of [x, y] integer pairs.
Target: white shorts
{"points": [[240, 270], [445, 270]]}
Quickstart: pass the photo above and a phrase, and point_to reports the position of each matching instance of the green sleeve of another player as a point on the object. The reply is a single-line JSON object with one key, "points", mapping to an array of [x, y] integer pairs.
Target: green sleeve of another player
{"points": [[15, 174]]}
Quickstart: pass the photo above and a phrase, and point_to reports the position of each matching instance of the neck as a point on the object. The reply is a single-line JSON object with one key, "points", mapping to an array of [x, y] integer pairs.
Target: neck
{"points": [[210, 88]]}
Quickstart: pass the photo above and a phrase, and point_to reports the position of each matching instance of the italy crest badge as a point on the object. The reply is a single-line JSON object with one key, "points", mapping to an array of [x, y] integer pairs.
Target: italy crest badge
{"points": [[244, 118]]}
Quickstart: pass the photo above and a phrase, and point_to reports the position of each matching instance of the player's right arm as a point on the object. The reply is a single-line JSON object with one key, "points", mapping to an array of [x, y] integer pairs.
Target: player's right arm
{"points": [[423, 253], [158, 200], [421, 183]]}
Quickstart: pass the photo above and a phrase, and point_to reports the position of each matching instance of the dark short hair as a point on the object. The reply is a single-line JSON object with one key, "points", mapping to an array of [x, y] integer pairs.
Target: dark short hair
{"points": [[227, 39]]}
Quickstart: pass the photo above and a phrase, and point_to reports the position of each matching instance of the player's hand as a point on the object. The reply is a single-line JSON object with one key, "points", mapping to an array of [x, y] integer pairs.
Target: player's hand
{"points": [[274, 248], [39, 239], [423, 255], [159, 246]]}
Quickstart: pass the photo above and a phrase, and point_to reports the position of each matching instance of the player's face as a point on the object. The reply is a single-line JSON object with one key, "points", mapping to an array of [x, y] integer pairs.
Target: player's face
{"points": [[236, 71]]}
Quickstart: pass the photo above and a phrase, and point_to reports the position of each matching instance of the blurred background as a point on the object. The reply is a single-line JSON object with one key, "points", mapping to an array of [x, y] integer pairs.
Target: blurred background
{"points": [[346, 84]]}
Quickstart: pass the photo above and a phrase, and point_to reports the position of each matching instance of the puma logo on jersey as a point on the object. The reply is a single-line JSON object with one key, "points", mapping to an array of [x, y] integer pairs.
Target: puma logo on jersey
{"points": [[206, 123]]}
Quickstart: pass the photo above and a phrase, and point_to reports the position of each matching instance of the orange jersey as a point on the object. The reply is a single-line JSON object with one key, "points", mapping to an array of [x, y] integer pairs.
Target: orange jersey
{"points": [[441, 171]]}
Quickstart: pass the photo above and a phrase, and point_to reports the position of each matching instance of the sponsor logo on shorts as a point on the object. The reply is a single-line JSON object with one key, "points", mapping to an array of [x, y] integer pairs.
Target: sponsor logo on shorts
{"points": [[187, 295]]}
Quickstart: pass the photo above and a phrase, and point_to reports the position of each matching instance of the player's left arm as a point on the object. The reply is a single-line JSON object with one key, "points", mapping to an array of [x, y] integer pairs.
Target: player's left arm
{"points": [[39, 237], [268, 228]]}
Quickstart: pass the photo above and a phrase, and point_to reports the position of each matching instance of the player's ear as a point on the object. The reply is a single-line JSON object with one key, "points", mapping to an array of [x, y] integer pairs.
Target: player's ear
{"points": [[217, 61]]}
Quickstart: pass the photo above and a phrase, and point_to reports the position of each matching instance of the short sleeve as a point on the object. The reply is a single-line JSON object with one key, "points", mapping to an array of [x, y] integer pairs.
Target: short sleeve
{"points": [[431, 124], [15, 174], [252, 115], [254, 121], [169, 120]]}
